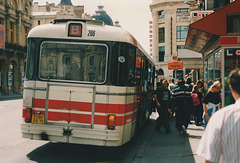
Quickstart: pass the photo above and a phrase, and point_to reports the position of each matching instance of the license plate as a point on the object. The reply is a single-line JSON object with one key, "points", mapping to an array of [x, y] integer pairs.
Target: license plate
{"points": [[38, 118]]}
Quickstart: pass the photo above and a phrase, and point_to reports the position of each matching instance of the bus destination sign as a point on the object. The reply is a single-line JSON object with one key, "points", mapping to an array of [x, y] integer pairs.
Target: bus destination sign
{"points": [[75, 30]]}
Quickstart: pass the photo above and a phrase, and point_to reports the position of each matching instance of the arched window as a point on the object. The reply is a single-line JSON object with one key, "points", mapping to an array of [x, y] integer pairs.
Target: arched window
{"points": [[160, 72]]}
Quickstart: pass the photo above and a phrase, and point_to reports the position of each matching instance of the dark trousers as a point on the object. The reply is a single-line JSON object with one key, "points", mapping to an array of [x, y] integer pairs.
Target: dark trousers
{"points": [[182, 117], [162, 119], [201, 114], [197, 113]]}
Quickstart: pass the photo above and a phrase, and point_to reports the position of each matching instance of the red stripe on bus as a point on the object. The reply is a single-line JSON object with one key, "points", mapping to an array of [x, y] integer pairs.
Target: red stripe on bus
{"points": [[85, 118], [80, 118], [39, 103], [84, 106]]}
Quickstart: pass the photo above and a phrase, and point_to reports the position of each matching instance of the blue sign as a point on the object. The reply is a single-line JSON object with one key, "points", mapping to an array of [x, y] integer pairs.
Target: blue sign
{"points": [[10, 78], [23, 76]]}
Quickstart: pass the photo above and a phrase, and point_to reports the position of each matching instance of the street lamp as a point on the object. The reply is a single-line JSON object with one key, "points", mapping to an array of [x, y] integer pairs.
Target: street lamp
{"points": [[193, 3]]}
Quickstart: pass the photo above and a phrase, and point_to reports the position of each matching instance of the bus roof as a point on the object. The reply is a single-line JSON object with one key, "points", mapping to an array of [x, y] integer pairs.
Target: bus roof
{"points": [[91, 30]]}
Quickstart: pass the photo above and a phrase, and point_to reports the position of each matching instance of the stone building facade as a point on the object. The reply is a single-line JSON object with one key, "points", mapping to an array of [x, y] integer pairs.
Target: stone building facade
{"points": [[170, 25], [45, 14], [15, 23]]}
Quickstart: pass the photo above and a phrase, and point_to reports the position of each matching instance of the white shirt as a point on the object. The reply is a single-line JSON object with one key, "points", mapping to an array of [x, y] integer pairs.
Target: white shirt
{"points": [[221, 139], [170, 84]]}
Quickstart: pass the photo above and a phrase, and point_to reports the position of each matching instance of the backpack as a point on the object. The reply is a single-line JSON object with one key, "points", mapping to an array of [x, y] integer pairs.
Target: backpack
{"points": [[195, 99]]}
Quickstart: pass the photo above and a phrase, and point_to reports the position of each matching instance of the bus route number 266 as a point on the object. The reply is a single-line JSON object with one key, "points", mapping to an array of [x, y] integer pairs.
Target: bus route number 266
{"points": [[91, 33]]}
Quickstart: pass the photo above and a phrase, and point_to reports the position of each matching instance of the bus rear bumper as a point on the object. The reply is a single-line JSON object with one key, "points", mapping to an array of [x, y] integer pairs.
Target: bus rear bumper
{"points": [[74, 135]]}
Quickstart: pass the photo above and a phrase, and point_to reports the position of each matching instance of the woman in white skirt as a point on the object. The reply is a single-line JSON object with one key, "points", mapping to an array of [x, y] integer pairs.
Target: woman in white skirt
{"points": [[212, 101]]}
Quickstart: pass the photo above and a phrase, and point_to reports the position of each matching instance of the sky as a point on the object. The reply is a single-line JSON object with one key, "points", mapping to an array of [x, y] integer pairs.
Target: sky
{"points": [[133, 15]]}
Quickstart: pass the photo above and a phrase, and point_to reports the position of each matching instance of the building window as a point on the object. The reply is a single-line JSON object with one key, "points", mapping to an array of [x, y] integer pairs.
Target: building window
{"points": [[39, 22], [161, 16], [160, 72], [182, 33], [11, 32], [220, 3], [161, 52], [1, 21], [182, 10], [180, 46], [161, 35], [233, 23]]}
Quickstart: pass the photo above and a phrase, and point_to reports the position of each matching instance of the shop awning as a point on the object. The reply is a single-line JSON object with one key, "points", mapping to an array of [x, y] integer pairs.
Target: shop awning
{"points": [[208, 29]]}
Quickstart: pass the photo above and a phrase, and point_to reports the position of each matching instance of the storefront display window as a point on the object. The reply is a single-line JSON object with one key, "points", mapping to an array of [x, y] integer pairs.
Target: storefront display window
{"points": [[218, 65], [178, 74], [205, 74], [232, 60], [212, 69]]}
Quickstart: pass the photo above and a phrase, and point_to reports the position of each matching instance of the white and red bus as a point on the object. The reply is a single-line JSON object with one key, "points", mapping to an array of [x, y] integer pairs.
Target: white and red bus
{"points": [[85, 84]]}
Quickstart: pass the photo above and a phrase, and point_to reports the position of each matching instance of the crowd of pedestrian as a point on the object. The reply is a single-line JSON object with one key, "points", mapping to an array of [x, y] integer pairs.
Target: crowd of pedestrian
{"points": [[186, 102]]}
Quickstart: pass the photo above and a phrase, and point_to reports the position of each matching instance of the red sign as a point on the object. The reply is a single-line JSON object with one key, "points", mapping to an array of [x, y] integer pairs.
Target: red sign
{"points": [[175, 65], [75, 30], [199, 15], [174, 57], [238, 52], [231, 40], [2, 41]]}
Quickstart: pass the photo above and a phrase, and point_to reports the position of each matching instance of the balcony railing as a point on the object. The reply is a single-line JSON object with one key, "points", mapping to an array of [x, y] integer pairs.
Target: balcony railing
{"points": [[15, 48]]}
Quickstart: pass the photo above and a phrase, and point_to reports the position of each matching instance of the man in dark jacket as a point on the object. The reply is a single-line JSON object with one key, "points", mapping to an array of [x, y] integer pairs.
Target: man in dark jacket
{"points": [[181, 100], [162, 96]]}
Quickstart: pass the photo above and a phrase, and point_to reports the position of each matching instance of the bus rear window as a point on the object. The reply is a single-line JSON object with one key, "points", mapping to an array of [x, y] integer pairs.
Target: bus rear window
{"points": [[73, 62]]}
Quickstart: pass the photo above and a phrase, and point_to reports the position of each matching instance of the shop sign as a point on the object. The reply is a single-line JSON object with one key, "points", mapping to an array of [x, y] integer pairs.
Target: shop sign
{"points": [[200, 14], [231, 40], [161, 20], [238, 52], [175, 65], [183, 17]]}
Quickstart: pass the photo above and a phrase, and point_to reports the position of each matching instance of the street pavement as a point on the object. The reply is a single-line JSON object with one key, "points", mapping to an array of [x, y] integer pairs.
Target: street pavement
{"points": [[4, 96], [169, 148]]}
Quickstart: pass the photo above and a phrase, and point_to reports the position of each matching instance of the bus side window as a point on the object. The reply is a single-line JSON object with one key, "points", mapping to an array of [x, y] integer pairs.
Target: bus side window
{"points": [[131, 66], [30, 60], [138, 68], [91, 68], [67, 67], [118, 64]]}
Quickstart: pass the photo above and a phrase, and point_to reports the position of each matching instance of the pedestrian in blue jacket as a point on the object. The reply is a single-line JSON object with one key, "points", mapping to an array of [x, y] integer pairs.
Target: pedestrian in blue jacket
{"points": [[181, 100]]}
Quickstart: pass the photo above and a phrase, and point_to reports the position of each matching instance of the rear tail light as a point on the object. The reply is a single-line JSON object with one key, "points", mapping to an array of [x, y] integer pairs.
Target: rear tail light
{"points": [[28, 115], [111, 122], [138, 98]]}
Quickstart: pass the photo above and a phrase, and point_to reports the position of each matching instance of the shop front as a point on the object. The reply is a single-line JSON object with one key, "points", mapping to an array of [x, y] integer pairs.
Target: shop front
{"points": [[217, 37]]}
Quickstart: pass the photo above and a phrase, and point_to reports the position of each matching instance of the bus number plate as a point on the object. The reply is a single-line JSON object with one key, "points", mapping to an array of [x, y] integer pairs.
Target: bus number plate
{"points": [[38, 118]]}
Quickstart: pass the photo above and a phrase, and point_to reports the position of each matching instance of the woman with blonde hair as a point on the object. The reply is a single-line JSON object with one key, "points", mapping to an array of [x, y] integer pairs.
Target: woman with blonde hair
{"points": [[212, 101]]}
